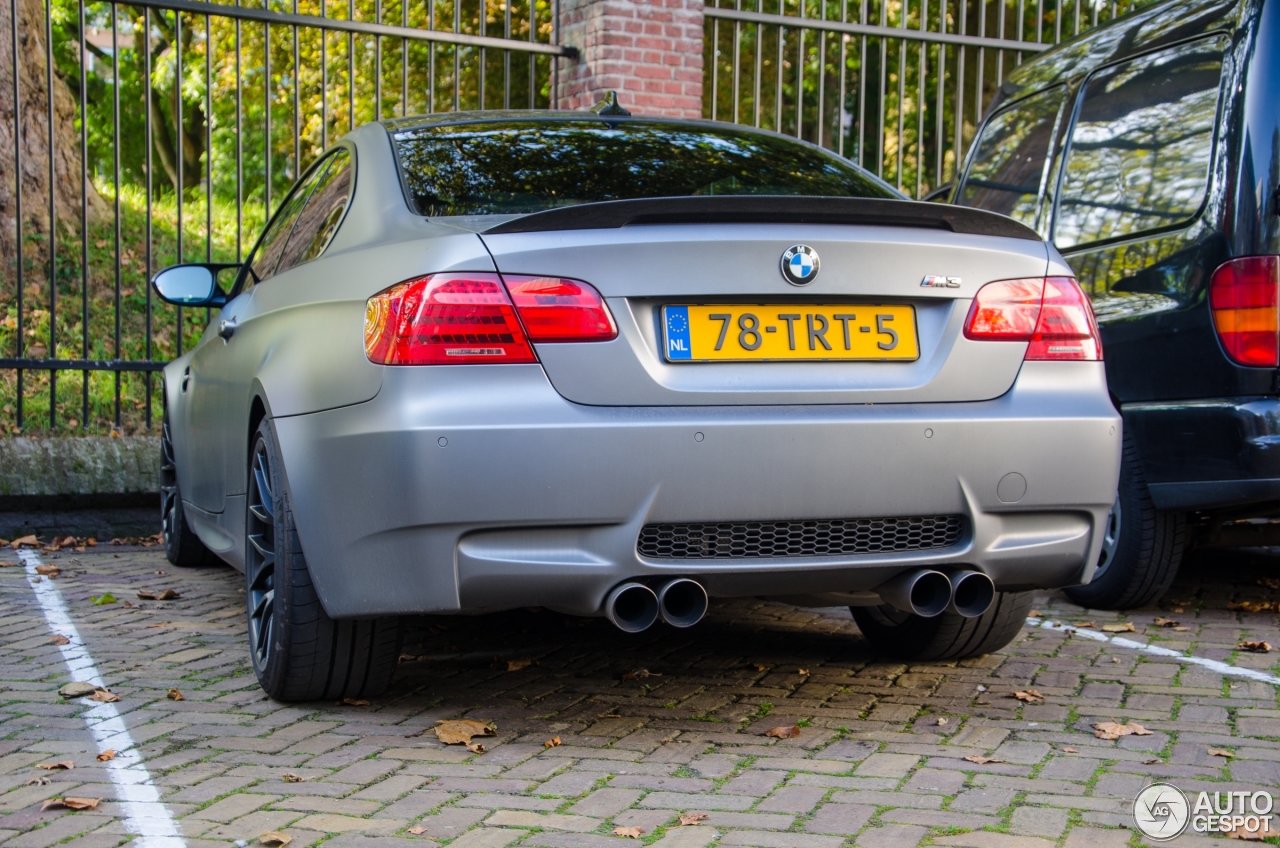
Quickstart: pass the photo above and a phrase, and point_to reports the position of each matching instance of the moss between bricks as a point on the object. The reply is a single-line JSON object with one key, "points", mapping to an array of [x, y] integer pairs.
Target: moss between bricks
{"points": [[79, 465]]}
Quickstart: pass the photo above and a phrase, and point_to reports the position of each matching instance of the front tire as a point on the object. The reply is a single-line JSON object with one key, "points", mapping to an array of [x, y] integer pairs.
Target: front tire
{"points": [[182, 546], [1142, 548], [298, 652], [949, 636]]}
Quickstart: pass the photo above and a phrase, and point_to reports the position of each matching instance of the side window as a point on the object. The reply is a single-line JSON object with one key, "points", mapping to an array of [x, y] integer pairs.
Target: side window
{"points": [[1141, 146], [1007, 171], [321, 215], [267, 254]]}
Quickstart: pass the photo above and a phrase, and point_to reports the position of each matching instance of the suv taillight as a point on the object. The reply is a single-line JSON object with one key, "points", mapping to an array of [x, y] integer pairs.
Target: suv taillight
{"points": [[1051, 314], [1243, 296], [463, 318]]}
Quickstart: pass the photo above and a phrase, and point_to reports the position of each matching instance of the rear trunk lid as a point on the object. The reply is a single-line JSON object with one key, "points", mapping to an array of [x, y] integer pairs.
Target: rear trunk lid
{"points": [[688, 253]]}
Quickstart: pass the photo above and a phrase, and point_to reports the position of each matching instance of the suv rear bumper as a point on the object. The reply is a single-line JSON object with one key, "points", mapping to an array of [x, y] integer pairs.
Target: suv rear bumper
{"points": [[480, 487], [1208, 454]]}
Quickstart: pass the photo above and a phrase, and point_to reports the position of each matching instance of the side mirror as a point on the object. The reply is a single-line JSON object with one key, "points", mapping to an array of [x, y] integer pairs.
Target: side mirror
{"points": [[191, 285]]}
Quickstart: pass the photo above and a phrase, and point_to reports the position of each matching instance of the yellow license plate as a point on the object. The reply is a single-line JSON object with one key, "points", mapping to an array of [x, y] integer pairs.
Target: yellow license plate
{"points": [[791, 331]]}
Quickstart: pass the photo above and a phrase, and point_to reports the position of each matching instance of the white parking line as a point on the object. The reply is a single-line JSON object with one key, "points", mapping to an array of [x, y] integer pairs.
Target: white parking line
{"points": [[1119, 642], [145, 814]]}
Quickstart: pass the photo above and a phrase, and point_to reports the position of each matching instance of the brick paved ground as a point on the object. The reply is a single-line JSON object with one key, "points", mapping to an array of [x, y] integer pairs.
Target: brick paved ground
{"points": [[875, 765]]}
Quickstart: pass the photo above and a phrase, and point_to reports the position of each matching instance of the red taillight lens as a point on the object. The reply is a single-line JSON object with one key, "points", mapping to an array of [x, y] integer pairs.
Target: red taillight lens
{"points": [[445, 319], [556, 310], [1243, 296], [1052, 315]]}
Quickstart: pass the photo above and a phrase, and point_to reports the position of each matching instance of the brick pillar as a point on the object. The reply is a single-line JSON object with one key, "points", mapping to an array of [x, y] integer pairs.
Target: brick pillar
{"points": [[649, 51]]}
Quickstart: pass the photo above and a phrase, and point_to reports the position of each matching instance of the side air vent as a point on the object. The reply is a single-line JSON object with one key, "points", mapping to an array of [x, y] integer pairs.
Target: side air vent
{"points": [[779, 539]]}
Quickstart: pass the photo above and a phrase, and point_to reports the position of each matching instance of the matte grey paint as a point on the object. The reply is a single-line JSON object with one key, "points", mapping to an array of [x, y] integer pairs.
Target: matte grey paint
{"points": [[538, 497]]}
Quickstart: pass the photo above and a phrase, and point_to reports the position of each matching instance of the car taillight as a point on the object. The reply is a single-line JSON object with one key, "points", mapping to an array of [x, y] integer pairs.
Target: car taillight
{"points": [[1243, 296], [445, 319], [556, 310], [1051, 314]]}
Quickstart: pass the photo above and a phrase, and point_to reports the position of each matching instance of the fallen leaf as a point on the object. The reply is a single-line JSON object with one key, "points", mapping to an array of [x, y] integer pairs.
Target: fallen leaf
{"points": [[629, 832], [802, 671], [941, 722], [756, 666], [275, 837], [553, 742], [783, 732], [4, 563], [458, 731], [1269, 582], [1255, 606], [129, 605], [1034, 614], [1241, 831], [39, 781], [1114, 730], [1150, 762], [25, 542], [290, 777], [1255, 647], [71, 804], [1115, 659], [103, 599], [77, 689], [417, 830], [353, 702], [1067, 749], [519, 663], [1030, 696], [1182, 629], [166, 595], [1091, 625], [107, 755], [102, 696], [58, 639], [1159, 621], [1218, 752], [609, 715], [982, 761], [476, 748], [1127, 627], [691, 818], [50, 571], [64, 764], [639, 674], [175, 695]]}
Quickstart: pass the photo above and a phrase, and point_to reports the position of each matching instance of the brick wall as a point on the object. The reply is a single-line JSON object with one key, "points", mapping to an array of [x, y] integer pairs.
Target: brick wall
{"points": [[649, 51]]}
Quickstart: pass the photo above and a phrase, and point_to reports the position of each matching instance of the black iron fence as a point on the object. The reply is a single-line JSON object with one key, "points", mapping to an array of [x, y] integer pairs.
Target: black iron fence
{"points": [[899, 86], [158, 131]]}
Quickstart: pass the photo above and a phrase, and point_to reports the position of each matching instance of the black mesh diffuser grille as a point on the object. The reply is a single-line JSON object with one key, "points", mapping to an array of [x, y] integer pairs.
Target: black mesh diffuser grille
{"points": [[777, 539]]}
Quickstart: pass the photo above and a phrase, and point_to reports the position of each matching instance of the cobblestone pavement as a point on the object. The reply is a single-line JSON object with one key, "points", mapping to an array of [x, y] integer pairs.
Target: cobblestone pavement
{"points": [[880, 761]]}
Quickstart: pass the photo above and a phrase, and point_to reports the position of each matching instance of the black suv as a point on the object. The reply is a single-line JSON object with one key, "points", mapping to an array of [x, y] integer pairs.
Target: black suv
{"points": [[1148, 151]]}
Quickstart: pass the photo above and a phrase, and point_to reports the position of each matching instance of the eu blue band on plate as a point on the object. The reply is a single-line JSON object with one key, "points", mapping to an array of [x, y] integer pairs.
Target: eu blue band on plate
{"points": [[679, 345]]}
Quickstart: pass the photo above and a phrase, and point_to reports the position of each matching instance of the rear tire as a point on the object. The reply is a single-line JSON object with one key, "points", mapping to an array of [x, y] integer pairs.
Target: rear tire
{"points": [[1144, 546], [182, 546], [298, 652], [949, 636]]}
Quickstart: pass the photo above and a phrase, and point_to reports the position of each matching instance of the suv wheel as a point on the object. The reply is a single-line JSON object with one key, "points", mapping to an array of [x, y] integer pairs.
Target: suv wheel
{"points": [[182, 546], [299, 653], [1142, 546], [949, 636]]}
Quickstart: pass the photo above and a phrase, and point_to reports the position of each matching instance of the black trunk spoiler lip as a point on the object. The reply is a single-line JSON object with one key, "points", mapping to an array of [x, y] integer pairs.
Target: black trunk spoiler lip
{"points": [[771, 209]]}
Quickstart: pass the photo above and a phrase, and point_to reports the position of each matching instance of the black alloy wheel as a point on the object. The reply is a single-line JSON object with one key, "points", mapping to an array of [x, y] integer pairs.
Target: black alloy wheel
{"points": [[299, 653], [260, 559], [182, 546]]}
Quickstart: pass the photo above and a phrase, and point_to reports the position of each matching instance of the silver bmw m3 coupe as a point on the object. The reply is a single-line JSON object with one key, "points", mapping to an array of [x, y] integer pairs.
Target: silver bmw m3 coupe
{"points": [[616, 366]]}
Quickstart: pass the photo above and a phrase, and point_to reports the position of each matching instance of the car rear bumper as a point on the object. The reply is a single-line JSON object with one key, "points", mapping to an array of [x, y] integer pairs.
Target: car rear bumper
{"points": [[480, 487], [1209, 454]]}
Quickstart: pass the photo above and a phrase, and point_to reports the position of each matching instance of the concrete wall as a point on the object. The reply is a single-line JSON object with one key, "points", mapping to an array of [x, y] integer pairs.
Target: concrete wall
{"points": [[84, 465]]}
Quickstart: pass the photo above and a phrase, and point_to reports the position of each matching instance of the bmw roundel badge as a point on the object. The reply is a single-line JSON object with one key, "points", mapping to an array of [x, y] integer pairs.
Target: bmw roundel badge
{"points": [[800, 265]]}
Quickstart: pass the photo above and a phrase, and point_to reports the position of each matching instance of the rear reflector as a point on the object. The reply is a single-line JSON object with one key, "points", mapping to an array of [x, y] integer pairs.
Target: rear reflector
{"points": [[445, 319], [556, 310], [1051, 314], [1243, 296]]}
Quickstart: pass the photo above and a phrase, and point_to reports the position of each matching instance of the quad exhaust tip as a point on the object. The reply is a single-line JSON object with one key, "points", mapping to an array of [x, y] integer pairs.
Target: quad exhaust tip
{"points": [[682, 602], [632, 607], [972, 593], [925, 592]]}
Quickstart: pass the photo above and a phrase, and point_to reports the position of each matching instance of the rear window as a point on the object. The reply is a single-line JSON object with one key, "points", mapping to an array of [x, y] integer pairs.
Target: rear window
{"points": [[513, 167]]}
